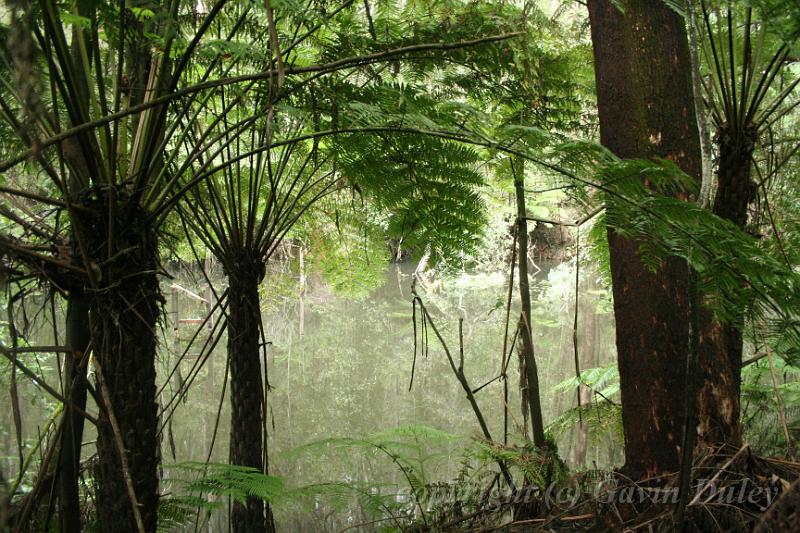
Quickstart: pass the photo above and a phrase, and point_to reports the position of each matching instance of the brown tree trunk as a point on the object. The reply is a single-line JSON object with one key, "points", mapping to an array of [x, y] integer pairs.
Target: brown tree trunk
{"points": [[78, 336], [247, 391], [644, 96], [720, 345], [531, 392], [123, 315]]}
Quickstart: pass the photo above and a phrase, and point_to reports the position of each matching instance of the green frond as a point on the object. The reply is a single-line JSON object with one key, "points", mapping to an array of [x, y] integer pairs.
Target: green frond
{"points": [[604, 379], [600, 417], [735, 275], [228, 481]]}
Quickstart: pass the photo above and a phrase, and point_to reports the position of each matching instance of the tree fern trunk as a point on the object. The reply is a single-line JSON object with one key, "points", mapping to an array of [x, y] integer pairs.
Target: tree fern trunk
{"points": [[734, 188], [78, 335], [124, 311], [721, 344], [644, 96], [247, 391]]}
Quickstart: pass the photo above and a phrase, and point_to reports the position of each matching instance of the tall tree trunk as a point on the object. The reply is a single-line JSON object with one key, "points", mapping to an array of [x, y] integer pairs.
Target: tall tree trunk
{"points": [[527, 355], [720, 345], [247, 391], [644, 96], [123, 315], [78, 336]]}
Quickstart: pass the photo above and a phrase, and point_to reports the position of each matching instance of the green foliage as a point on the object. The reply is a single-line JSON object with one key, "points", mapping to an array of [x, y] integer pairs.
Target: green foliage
{"points": [[783, 15], [603, 414], [761, 422], [646, 201], [411, 448], [427, 186], [603, 380], [410, 147], [228, 481], [536, 467], [205, 487], [178, 511], [747, 81], [734, 273]]}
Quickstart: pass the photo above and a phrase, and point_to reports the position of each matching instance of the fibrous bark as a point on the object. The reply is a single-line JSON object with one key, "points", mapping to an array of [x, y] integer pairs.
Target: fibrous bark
{"points": [[247, 390], [720, 344], [123, 315]]}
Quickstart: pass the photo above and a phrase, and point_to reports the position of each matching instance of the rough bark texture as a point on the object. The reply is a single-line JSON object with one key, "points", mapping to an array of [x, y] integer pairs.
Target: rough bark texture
{"points": [[247, 391], [735, 191], [720, 360], [78, 336], [123, 316], [644, 96], [721, 344]]}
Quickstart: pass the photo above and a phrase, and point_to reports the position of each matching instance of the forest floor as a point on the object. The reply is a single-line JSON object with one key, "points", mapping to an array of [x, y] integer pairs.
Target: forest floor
{"points": [[731, 490]]}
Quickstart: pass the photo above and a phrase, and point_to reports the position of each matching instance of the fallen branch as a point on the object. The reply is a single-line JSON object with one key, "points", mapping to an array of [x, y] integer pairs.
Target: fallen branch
{"points": [[713, 480], [578, 223], [187, 292]]}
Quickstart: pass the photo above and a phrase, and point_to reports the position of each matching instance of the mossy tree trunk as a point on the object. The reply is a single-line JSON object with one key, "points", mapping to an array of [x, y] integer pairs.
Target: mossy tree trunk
{"points": [[645, 105]]}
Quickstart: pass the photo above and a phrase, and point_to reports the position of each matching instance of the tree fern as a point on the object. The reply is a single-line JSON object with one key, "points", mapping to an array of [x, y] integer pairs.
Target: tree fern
{"points": [[228, 481], [205, 488], [603, 414]]}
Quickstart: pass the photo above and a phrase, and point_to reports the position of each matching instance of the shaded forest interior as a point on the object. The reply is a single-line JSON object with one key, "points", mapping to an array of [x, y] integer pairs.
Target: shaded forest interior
{"points": [[414, 265]]}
